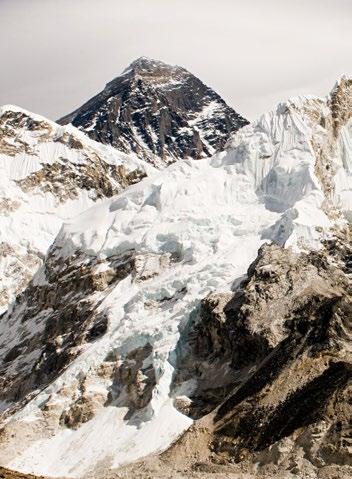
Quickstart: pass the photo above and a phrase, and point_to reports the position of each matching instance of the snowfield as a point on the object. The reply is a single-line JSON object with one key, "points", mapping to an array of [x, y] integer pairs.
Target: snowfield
{"points": [[32, 208], [194, 228]]}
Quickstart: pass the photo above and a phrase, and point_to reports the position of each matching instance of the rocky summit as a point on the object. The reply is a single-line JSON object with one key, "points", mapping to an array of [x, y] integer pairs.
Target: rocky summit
{"points": [[160, 112], [190, 320]]}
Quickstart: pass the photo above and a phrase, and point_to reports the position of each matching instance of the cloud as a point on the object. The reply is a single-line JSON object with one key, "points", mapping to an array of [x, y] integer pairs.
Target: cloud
{"points": [[58, 53]]}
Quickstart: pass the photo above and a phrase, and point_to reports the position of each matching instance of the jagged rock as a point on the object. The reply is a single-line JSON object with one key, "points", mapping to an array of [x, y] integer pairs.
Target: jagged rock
{"points": [[66, 181], [183, 404], [136, 375], [297, 391], [160, 112], [204, 357], [341, 103], [81, 411]]}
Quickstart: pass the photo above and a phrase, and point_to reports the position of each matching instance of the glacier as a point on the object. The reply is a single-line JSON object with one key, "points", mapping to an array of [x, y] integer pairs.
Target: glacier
{"points": [[191, 229]]}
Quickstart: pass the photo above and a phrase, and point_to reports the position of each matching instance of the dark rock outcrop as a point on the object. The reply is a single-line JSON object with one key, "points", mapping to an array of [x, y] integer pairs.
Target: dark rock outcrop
{"points": [[72, 320], [135, 376], [160, 112], [280, 347]]}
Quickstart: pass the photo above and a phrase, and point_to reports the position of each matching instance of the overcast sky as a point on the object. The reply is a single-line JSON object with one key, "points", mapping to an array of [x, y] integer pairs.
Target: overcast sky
{"points": [[55, 54]]}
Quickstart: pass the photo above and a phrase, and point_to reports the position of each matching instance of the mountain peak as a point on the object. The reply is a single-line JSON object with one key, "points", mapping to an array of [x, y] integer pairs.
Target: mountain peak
{"points": [[160, 112], [145, 63], [154, 72]]}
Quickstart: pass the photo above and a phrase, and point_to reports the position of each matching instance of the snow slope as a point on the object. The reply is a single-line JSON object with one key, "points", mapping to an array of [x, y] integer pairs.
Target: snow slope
{"points": [[157, 249], [48, 174]]}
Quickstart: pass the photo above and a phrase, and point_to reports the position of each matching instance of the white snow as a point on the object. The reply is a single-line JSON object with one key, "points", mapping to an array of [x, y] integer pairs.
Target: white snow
{"points": [[343, 176], [211, 214], [208, 111], [38, 215], [107, 437]]}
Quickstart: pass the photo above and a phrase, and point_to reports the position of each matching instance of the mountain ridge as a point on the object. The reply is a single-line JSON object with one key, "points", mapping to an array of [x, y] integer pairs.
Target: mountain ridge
{"points": [[49, 173], [154, 311]]}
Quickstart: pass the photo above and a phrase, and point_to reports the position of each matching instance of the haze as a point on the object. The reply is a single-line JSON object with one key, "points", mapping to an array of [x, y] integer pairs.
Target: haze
{"points": [[58, 53]]}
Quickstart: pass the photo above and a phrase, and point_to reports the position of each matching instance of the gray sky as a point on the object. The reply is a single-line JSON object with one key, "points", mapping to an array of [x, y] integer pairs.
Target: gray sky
{"points": [[55, 54]]}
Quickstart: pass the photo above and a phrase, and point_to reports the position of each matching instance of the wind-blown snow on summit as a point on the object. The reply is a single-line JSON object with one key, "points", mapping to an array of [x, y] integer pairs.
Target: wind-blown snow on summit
{"points": [[160, 112], [95, 379]]}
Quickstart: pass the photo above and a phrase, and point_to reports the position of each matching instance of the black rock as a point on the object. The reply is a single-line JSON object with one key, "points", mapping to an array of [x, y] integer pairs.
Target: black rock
{"points": [[160, 112]]}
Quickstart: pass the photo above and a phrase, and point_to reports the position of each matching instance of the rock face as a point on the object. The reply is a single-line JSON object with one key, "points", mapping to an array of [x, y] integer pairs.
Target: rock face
{"points": [[160, 112], [146, 315], [341, 103], [49, 174], [284, 340], [289, 332]]}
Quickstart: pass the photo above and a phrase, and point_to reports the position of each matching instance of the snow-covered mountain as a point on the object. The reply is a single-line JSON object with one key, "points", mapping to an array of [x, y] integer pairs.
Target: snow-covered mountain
{"points": [[95, 352], [160, 112], [49, 173]]}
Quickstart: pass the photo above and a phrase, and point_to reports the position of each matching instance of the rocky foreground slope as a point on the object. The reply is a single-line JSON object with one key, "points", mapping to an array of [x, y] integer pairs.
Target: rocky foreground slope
{"points": [[145, 318], [283, 340], [160, 112], [293, 315]]}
